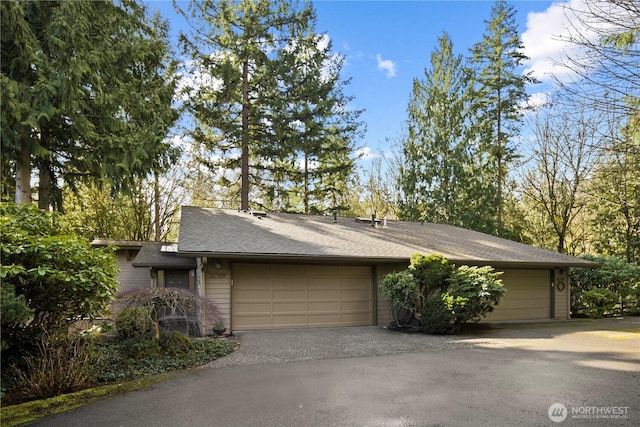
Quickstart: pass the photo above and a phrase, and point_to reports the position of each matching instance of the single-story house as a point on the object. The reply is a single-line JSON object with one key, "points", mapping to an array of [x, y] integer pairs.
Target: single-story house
{"points": [[279, 270]]}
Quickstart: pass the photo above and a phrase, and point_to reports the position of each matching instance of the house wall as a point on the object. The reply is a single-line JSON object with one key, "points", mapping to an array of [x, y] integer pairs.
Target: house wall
{"points": [[131, 277], [218, 289], [561, 294], [527, 298]]}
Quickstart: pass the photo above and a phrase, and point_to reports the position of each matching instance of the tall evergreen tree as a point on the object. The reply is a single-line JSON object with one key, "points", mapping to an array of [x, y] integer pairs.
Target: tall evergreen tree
{"points": [[87, 91], [314, 130], [269, 102], [443, 179], [501, 90]]}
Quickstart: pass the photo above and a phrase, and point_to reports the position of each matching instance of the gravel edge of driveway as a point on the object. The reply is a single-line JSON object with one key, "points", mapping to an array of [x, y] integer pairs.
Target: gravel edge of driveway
{"points": [[293, 345]]}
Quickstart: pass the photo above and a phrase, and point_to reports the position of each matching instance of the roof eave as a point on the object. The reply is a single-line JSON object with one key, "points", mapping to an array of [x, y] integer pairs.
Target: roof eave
{"points": [[244, 256]]}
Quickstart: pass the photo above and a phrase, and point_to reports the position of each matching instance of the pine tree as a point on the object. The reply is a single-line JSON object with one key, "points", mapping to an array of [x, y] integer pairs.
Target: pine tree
{"points": [[87, 91], [442, 179], [314, 130], [269, 103], [501, 90]]}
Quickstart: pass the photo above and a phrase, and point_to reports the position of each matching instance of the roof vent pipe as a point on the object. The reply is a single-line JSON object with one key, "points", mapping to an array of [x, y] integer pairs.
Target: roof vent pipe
{"points": [[373, 219], [384, 221], [335, 216]]}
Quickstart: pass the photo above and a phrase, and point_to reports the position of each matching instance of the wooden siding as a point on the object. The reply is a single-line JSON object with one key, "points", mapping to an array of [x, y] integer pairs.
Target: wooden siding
{"points": [[218, 290], [561, 297], [131, 277]]}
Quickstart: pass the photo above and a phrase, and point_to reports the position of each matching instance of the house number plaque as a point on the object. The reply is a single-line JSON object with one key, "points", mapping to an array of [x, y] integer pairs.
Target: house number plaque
{"points": [[219, 275]]}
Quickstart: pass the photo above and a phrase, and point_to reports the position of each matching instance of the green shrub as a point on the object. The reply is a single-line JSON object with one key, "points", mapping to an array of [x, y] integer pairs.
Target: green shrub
{"points": [[174, 343], [61, 276], [437, 316], [475, 292], [431, 273], [132, 321], [439, 296], [598, 301], [615, 274], [402, 288]]}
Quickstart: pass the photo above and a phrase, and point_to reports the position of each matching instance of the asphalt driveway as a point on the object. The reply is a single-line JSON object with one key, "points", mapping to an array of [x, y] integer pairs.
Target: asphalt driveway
{"points": [[580, 372]]}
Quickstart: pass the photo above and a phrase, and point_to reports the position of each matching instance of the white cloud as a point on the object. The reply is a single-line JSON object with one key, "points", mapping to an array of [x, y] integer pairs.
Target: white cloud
{"points": [[537, 101], [386, 65], [545, 39], [365, 153]]}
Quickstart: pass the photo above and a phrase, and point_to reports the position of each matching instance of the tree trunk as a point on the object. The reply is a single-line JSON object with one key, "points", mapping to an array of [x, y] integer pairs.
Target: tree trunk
{"points": [[156, 207], [244, 167], [500, 164], [44, 185], [306, 184], [23, 177]]}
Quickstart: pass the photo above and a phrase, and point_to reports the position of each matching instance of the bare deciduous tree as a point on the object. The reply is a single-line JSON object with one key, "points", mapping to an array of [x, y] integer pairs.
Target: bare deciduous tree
{"points": [[562, 159]]}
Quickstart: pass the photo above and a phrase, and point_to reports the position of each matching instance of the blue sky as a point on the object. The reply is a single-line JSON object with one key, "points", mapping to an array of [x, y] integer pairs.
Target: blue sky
{"points": [[388, 43]]}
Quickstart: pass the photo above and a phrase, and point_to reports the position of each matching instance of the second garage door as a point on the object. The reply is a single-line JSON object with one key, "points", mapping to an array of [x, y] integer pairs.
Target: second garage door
{"points": [[528, 296], [273, 296]]}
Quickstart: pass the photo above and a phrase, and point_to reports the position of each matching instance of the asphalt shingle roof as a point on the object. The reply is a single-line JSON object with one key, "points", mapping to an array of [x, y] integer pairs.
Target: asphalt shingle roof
{"points": [[150, 255], [230, 233]]}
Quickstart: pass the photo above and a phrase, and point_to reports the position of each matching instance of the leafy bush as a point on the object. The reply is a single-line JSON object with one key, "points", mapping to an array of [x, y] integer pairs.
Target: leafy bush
{"points": [[439, 296], [57, 275], [14, 314], [63, 364], [438, 316], [476, 290], [132, 321], [431, 272], [615, 274], [401, 288], [598, 301]]}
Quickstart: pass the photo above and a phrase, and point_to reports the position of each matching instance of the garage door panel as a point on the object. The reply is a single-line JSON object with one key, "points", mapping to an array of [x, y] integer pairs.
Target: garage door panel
{"points": [[527, 296], [328, 307], [289, 307], [252, 321], [354, 295], [254, 307], [285, 270], [252, 294], [293, 294], [353, 319], [293, 319], [325, 295], [351, 306], [284, 296], [326, 319], [327, 283]]}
